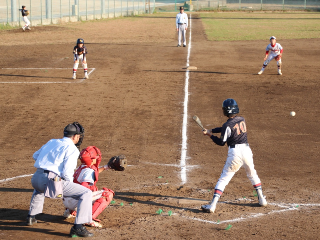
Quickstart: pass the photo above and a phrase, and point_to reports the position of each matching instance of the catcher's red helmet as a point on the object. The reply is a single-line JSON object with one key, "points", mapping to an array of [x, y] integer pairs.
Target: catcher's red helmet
{"points": [[90, 153]]}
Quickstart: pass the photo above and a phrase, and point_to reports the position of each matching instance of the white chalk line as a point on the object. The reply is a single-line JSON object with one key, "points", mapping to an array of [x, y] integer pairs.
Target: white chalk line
{"points": [[287, 206], [76, 81], [10, 179], [183, 172], [171, 165]]}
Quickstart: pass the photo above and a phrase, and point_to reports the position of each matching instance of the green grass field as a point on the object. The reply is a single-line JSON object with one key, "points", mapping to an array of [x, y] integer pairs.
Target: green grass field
{"points": [[233, 26]]}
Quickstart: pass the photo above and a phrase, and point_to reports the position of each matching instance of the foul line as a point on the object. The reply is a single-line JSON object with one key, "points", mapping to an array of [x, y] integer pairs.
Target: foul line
{"points": [[10, 179], [75, 81], [183, 166]]}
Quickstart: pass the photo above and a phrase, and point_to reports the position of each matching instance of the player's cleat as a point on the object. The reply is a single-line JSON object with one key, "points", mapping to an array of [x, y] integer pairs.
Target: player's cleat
{"points": [[179, 45], [80, 232], [279, 72], [74, 76], [31, 221], [94, 224], [28, 28], [86, 76], [69, 213], [208, 208], [259, 73], [23, 28], [261, 198], [184, 45]]}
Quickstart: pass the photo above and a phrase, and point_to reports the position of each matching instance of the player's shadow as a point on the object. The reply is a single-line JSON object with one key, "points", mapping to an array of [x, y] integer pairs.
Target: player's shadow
{"points": [[15, 190], [26, 76], [132, 197], [15, 220]]}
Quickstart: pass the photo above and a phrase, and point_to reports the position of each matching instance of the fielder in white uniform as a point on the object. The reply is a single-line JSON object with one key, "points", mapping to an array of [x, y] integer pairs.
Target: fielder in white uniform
{"points": [[182, 26], [234, 133], [273, 51], [59, 156], [25, 13]]}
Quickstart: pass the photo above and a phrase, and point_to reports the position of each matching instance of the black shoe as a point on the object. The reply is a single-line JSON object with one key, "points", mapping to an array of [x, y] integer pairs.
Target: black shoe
{"points": [[80, 232], [31, 221], [184, 45], [179, 45]]}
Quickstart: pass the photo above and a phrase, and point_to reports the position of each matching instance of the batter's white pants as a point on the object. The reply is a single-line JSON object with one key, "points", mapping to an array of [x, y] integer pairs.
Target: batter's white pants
{"points": [[240, 156], [182, 33], [26, 20], [70, 189]]}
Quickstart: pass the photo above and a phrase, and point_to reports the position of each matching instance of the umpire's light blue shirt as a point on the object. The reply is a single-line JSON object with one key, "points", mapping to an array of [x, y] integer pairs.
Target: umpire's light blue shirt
{"points": [[181, 18], [59, 156]]}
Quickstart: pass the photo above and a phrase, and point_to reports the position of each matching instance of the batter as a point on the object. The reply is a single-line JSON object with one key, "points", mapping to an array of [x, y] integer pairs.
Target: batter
{"points": [[234, 133], [273, 51]]}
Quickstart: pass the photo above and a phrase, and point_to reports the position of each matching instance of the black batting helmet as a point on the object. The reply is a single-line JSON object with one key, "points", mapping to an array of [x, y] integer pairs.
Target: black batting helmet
{"points": [[80, 40], [230, 107], [74, 129]]}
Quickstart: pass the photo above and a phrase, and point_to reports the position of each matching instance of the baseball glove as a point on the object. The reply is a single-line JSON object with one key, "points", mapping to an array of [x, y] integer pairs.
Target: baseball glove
{"points": [[80, 51], [118, 163], [278, 57], [27, 13]]}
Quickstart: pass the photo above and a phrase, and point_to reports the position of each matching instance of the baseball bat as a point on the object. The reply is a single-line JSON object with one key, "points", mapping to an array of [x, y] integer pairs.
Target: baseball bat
{"points": [[197, 120]]}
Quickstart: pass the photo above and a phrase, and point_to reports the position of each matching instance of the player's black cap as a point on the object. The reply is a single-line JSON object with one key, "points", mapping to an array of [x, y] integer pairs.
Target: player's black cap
{"points": [[181, 8], [23, 6]]}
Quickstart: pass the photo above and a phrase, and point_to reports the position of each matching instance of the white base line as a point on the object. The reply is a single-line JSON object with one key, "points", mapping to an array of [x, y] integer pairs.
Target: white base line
{"points": [[75, 81], [10, 179], [288, 207], [183, 166]]}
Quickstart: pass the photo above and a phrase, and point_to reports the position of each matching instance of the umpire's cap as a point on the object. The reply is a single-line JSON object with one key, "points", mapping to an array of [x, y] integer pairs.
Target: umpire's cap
{"points": [[181, 8]]}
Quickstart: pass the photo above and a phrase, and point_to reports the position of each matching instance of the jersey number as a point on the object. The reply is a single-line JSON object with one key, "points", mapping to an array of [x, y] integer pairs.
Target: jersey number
{"points": [[241, 127]]}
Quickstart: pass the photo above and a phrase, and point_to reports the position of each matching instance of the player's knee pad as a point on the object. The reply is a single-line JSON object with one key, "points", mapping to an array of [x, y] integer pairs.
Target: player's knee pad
{"points": [[75, 65], [279, 63], [98, 206]]}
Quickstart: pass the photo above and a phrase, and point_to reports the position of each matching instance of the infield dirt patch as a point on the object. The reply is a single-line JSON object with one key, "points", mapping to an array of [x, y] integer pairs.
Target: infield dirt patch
{"points": [[133, 105]]}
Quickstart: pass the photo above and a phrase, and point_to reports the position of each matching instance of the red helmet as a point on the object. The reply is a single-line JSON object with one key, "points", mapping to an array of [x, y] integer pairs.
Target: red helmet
{"points": [[90, 153]]}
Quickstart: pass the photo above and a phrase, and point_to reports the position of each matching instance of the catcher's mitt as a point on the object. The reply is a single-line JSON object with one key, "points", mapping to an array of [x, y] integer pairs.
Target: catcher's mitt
{"points": [[118, 163]]}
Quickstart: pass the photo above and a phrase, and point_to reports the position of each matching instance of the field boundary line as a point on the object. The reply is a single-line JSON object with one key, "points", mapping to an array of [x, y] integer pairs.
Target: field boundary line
{"points": [[76, 81], [183, 172]]}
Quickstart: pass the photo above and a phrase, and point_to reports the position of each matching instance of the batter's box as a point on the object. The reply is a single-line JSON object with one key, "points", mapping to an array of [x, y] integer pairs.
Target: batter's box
{"points": [[41, 75]]}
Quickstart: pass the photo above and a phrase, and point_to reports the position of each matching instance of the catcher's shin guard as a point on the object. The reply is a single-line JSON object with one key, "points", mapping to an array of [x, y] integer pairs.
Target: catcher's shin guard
{"points": [[102, 203]]}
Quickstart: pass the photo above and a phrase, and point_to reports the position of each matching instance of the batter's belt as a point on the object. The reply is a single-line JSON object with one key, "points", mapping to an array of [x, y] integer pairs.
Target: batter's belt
{"points": [[234, 146]]}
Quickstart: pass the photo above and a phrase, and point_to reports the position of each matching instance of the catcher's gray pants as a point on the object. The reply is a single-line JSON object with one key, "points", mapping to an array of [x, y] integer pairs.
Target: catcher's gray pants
{"points": [[70, 189], [182, 32]]}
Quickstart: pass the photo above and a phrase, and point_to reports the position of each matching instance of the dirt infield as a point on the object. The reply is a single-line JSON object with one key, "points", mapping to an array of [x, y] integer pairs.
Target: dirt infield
{"points": [[133, 105]]}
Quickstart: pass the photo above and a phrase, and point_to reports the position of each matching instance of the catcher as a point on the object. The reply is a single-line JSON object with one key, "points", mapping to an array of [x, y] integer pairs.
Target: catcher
{"points": [[88, 175], [273, 51], [80, 52], [25, 13]]}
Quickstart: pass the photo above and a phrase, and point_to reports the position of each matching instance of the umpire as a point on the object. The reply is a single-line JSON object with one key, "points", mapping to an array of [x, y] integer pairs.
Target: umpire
{"points": [[59, 157]]}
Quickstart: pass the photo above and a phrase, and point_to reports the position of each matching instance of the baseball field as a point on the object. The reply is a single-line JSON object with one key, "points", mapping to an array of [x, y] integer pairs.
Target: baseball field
{"points": [[139, 101]]}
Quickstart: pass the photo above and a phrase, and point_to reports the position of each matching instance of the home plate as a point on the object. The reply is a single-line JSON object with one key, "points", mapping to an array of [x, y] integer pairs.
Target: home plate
{"points": [[190, 68], [192, 201]]}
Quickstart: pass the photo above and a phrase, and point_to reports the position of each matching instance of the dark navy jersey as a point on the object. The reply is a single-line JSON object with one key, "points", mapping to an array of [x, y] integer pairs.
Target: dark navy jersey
{"points": [[234, 131], [79, 51], [24, 12]]}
